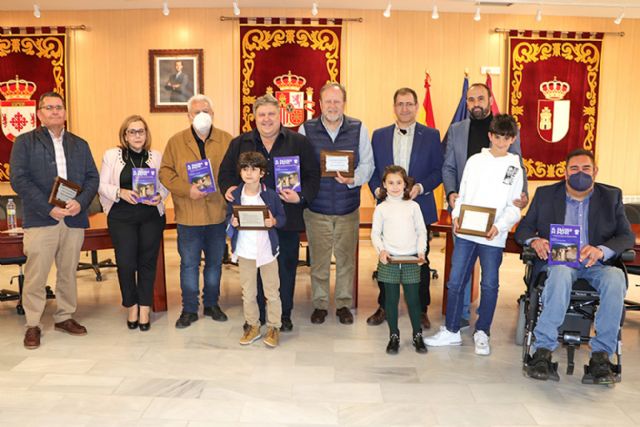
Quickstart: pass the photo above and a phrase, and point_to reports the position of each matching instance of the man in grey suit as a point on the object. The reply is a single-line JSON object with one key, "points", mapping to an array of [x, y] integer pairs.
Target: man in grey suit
{"points": [[463, 140], [178, 85]]}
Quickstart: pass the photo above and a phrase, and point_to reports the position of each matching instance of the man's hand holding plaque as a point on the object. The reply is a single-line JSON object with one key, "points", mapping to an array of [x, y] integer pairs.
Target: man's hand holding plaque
{"points": [[476, 221], [338, 164], [63, 194]]}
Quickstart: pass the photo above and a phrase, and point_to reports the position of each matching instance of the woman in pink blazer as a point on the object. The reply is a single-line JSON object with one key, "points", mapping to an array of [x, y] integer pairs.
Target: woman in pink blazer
{"points": [[135, 215]]}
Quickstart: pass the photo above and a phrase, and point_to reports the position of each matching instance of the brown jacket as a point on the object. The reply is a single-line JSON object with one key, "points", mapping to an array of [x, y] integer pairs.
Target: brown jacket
{"points": [[181, 149]]}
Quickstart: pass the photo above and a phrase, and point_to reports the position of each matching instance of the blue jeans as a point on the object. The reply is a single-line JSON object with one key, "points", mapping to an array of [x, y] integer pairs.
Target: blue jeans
{"points": [[607, 280], [466, 307], [464, 257], [192, 241]]}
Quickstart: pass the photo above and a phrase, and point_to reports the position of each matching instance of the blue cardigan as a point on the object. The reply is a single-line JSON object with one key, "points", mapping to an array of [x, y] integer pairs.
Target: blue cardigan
{"points": [[272, 200]]}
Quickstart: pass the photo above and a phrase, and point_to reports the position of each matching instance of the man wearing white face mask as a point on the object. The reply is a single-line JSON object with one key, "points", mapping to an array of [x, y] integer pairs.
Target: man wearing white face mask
{"points": [[200, 216]]}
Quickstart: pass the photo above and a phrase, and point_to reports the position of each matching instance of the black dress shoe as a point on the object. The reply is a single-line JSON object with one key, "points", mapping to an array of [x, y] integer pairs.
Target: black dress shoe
{"points": [[418, 343], [540, 366], [318, 316], [132, 325], [344, 315], [145, 326], [186, 319], [216, 313], [377, 318], [600, 368], [287, 325], [394, 344]]}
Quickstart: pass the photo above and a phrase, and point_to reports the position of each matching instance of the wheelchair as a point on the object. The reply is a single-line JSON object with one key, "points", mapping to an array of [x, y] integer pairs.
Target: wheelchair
{"points": [[578, 321]]}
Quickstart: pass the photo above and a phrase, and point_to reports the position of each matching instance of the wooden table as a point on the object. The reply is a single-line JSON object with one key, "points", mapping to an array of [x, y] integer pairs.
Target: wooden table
{"points": [[97, 237], [444, 226]]}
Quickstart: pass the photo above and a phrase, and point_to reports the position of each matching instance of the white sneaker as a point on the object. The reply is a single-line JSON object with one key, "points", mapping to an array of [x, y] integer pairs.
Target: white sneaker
{"points": [[482, 343], [443, 338]]}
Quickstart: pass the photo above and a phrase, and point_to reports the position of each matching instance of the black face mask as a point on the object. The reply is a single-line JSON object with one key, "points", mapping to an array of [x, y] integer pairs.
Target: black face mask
{"points": [[580, 181]]}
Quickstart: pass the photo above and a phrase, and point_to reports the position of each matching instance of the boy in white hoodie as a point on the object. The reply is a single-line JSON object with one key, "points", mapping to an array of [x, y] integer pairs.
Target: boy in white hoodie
{"points": [[491, 179]]}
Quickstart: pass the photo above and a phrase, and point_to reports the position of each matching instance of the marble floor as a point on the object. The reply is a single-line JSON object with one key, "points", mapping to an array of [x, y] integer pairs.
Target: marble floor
{"points": [[328, 375]]}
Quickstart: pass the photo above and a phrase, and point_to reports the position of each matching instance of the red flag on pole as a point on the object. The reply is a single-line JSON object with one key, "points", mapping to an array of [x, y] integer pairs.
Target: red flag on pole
{"points": [[494, 105], [426, 104]]}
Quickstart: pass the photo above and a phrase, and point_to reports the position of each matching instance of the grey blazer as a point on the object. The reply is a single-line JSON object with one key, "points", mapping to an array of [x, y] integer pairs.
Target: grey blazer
{"points": [[455, 156]]}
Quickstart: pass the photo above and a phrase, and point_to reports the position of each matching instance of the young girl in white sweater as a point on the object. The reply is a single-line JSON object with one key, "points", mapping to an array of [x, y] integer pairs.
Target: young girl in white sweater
{"points": [[398, 230]]}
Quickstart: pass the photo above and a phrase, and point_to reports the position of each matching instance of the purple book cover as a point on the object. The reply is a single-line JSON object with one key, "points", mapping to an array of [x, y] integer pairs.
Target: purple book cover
{"points": [[287, 173], [200, 173], [145, 182], [564, 241]]}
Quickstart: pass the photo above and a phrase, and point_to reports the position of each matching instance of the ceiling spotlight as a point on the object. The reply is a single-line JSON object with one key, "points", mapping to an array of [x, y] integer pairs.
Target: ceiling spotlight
{"points": [[36, 11], [477, 16], [236, 8], [165, 8], [539, 15], [434, 12], [616, 21], [387, 11], [314, 8]]}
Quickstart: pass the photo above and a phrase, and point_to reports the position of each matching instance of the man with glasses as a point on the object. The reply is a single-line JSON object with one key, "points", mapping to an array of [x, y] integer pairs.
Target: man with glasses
{"points": [[52, 233], [417, 149], [200, 215]]}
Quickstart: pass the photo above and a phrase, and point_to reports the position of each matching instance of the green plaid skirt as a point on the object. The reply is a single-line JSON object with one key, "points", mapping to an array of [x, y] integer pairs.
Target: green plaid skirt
{"points": [[398, 273]]}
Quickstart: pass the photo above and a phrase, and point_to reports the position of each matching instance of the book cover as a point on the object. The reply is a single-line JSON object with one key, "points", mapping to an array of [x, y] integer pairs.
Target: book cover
{"points": [[201, 174], [287, 173], [145, 182], [564, 241]]}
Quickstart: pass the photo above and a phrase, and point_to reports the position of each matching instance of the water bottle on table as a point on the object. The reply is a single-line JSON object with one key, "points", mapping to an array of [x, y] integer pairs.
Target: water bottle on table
{"points": [[11, 216]]}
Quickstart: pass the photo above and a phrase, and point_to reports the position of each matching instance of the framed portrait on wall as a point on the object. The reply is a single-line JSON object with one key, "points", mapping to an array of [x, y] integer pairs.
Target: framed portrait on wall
{"points": [[175, 75]]}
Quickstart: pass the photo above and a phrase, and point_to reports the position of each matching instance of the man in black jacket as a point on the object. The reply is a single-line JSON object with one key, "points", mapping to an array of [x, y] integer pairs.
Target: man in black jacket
{"points": [[605, 234], [52, 232], [275, 141]]}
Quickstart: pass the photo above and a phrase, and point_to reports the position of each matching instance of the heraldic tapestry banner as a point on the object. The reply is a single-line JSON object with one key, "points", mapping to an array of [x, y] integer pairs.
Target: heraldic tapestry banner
{"points": [[290, 61], [31, 64], [553, 95]]}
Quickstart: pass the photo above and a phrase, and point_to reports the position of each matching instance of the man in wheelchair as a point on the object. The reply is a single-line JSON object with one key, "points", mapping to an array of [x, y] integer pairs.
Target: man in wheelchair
{"points": [[605, 234]]}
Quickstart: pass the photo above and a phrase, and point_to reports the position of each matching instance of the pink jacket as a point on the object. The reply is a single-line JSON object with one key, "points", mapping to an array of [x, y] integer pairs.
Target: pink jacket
{"points": [[112, 165]]}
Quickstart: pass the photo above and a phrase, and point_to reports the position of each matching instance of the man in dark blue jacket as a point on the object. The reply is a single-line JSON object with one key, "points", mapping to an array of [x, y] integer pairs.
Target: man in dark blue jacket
{"points": [[605, 234], [417, 149], [52, 232], [274, 141]]}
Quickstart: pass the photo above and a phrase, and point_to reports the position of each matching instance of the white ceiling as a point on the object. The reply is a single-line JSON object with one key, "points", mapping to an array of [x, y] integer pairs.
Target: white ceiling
{"points": [[598, 8]]}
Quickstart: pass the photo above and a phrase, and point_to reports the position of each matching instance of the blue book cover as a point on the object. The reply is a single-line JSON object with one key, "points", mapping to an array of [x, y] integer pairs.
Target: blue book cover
{"points": [[564, 241], [201, 174], [145, 182], [287, 173]]}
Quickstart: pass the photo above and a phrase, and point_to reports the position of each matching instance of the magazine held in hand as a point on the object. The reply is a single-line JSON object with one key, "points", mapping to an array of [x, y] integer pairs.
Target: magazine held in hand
{"points": [[287, 172], [564, 241], [201, 174], [145, 183]]}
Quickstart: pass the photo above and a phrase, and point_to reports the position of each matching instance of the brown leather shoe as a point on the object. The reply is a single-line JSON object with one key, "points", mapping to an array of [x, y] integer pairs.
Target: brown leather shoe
{"points": [[32, 338], [377, 318], [71, 327], [424, 319], [344, 315], [318, 316]]}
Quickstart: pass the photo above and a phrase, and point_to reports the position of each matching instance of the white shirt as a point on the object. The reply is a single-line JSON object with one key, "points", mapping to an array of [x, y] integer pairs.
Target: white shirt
{"points": [[254, 244], [61, 160], [492, 182], [398, 227]]}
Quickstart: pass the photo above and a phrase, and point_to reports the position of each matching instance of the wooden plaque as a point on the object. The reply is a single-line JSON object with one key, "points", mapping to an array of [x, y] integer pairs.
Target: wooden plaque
{"points": [[403, 259], [63, 191], [347, 158], [251, 217], [479, 220]]}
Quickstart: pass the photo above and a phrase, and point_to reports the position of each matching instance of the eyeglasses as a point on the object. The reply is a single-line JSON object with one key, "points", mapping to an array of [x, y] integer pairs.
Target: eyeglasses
{"points": [[52, 107], [405, 104], [134, 132]]}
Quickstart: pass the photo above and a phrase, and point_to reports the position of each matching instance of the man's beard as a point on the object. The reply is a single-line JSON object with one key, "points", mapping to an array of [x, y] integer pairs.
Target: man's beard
{"points": [[478, 113]]}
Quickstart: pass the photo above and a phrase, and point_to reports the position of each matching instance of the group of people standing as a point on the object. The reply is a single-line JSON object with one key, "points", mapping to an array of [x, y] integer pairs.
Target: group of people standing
{"points": [[403, 163]]}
